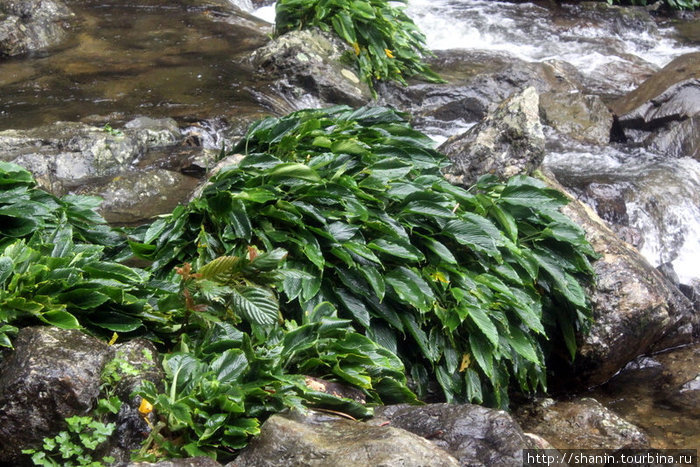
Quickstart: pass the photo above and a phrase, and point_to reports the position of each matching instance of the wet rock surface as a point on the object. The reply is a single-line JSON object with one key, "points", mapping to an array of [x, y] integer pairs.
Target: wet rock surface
{"points": [[582, 117], [477, 81], [663, 114], [474, 435], [659, 393], [66, 154], [56, 373], [307, 63], [507, 142], [188, 462], [52, 374], [30, 25], [635, 307], [135, 196], [580, 424], [319, 440]]}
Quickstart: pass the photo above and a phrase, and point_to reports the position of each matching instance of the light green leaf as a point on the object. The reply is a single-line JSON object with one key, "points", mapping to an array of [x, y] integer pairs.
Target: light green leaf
{"points": [[294, 170], [61, 319], [6, 268]]}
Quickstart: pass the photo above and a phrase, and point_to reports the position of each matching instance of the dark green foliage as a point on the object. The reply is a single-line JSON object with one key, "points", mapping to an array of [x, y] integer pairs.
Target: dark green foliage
{"points": [[386, 42], [224, 380], [236, 360], [464, 285], [337, 220], [54, 266]]}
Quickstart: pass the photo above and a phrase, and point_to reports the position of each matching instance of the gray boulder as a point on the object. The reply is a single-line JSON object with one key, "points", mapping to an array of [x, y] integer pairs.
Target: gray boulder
{"points": [[581, 117], [580, 424], [136, 196], [29, 25], [687, 396], [64, 155], [636, 309], [663, 113], [319, 440], [306, 66], [507, 142], [52, 374], [477, 81], [474, 435]]}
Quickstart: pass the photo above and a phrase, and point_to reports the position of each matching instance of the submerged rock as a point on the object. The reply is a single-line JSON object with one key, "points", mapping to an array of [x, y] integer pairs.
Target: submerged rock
{"points": [[661, 395], [507, 142], [580, 424], [52, 374], [318, 440], [29, 25], [307, 64], [663, 113], [137, 196], [687, 397], [474, 435]]}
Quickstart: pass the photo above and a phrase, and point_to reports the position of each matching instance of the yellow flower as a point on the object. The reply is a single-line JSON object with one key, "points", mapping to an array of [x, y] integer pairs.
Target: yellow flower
{"points": [[439, 277], [146, 407], [388, 53], [356, 46], [466, 361], [114, 338]]}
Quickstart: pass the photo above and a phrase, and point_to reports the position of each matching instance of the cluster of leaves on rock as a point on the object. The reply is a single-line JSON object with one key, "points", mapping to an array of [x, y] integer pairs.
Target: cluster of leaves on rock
{"points": [[461, 284], [54, 264], [224, 375], [386, 42], [345, 215]]}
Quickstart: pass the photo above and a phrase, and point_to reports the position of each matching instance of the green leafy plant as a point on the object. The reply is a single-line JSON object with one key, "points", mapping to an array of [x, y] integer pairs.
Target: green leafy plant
{"points": [[55, 265], [464, 285], [74, 446], [224, 379], [386, 42]]}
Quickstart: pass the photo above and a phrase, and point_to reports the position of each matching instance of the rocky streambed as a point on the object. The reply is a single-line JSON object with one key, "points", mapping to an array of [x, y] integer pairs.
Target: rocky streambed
{"points": [[134, 102]]}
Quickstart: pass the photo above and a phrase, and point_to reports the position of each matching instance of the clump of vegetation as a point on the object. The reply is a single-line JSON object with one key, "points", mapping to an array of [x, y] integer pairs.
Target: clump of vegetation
{"points": [[336, 250], [240, 361], [387, 44], [463, 285], [76, 445]]}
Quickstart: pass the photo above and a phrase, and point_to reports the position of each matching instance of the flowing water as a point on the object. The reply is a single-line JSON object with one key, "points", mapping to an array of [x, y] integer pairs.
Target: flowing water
{"points": [[155, 58]]}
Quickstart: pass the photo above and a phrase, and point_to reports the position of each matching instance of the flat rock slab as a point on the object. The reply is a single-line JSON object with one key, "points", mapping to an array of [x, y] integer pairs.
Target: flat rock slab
{"points": [[473, 434], [296, 441], [580, 424]]}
